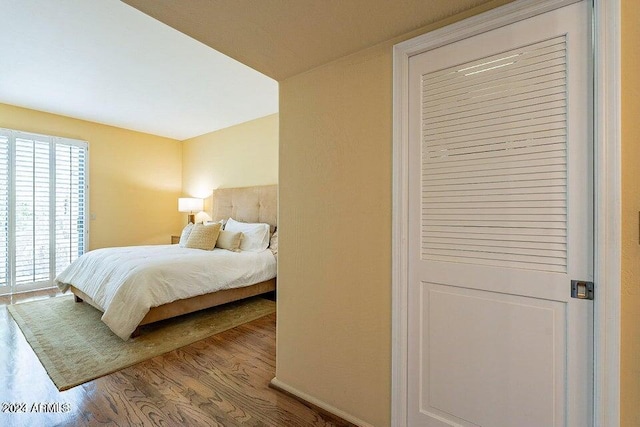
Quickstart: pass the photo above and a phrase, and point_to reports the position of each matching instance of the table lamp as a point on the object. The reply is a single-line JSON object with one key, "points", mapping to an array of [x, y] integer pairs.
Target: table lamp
{"points": [[190, 205]]}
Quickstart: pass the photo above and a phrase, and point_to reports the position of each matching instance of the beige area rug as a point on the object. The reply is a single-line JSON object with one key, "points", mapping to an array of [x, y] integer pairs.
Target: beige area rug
{"points": [[74, 345]]}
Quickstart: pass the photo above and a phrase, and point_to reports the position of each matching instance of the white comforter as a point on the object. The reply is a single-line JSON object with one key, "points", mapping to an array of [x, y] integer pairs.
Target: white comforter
{"points": [[126, 282]]}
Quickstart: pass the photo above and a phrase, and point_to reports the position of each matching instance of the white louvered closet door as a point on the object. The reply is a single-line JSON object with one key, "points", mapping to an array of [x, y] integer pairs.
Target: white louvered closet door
{"points": [[500, 222]]}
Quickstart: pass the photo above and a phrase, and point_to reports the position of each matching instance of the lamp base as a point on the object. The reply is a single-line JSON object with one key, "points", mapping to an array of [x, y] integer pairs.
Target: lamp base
{"points": [[191, 218]]}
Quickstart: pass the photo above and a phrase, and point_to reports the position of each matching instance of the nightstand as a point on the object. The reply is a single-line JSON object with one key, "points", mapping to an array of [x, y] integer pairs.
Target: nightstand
{"points": [[175, 240]]}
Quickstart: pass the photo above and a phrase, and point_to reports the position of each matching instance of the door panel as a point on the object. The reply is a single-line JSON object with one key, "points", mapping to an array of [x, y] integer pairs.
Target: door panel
{"points": [[500, 221], [481, 384]]}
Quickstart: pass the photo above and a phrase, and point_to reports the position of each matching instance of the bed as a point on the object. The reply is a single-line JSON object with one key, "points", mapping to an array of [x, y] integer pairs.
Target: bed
{"points": [[135, 286]]}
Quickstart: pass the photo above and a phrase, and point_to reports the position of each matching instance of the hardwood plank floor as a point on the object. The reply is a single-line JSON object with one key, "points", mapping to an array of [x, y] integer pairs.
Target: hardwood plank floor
{"points": [[220, 381]]}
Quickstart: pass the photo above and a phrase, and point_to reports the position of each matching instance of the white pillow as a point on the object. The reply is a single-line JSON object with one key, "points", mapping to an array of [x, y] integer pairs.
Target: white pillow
{"points": [[273, 245], [255, 236], [184, 236]]}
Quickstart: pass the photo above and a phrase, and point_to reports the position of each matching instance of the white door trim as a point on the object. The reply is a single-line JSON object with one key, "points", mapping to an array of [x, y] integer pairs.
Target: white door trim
{"points": [[607, 204], [607, 187]]}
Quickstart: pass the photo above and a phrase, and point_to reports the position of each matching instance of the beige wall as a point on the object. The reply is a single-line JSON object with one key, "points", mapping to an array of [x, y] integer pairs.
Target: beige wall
{"points": [[237, 156], [334, 258], [334, 272], [135, 178], [630, 364]]}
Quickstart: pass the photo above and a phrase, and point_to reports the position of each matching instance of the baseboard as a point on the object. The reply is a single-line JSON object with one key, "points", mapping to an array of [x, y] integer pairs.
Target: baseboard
{"points": [[313, 402]]}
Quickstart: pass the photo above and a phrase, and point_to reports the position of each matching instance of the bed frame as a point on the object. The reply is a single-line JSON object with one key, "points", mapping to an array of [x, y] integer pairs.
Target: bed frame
{"points": [[248, 204]]}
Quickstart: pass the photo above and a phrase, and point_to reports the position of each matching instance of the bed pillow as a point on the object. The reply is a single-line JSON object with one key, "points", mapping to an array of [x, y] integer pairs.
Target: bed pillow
{"points": [[255, 236], [273, 244], [229, 240], [203, 236], [185, 235]]}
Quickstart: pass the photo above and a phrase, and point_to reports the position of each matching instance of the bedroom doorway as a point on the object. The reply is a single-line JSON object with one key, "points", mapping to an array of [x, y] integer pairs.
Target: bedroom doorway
{"points": [[498, 193]]}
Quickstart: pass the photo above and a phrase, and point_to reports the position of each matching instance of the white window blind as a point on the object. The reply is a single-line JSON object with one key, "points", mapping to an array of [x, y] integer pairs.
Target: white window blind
{"points": [[70, 186], [494, 143], [4, 213], [43, 190]]}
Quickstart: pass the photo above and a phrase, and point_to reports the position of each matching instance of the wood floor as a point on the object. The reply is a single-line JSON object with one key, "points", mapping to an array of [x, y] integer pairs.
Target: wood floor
{"points": [[220, 381]]}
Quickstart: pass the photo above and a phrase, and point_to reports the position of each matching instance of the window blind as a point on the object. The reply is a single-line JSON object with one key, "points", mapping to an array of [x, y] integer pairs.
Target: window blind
{"points": [[43, 186], [4, 212], [70, 204]]}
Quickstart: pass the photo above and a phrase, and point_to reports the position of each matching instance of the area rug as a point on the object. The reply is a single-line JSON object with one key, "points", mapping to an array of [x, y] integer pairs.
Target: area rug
{"points": [[74, 346]]}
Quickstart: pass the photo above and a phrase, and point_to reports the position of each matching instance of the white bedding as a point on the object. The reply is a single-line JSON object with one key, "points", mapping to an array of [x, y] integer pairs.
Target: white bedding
{"points": [[126, 282]]}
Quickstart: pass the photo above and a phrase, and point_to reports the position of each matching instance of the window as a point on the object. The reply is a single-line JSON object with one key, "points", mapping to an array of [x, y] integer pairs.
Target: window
{"points": [[43, 208]]}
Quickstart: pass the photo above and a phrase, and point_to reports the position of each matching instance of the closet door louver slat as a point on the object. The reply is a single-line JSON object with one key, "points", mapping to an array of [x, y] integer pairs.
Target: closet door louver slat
{"points": [[494, 160]]}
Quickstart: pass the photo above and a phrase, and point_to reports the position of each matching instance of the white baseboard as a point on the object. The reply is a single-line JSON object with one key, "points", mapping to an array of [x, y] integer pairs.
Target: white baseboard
{"points": [[319, 403]]}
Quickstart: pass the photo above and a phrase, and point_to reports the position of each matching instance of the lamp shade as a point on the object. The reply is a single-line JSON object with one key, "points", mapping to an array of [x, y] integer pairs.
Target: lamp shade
{"points": [[190, 204]]}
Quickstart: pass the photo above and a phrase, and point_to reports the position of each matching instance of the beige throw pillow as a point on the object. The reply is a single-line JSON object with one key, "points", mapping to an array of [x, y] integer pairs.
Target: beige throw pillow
{"points": [[203, 236], [229, 240]]}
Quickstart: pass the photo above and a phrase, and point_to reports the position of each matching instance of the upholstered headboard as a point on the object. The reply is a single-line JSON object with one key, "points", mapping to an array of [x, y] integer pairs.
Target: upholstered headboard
{"points": [[246, 204]]}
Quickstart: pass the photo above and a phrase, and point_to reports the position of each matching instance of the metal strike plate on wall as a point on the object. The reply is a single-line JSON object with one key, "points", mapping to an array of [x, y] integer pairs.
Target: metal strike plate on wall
{"points": [[581, 289]]}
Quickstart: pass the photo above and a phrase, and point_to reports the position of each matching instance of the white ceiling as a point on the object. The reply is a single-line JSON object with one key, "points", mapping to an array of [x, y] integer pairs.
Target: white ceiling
{"points": [[104, 61]]}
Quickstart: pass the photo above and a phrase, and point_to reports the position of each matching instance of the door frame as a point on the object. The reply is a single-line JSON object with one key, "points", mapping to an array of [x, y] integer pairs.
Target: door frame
{"points": [[607, 188]]}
